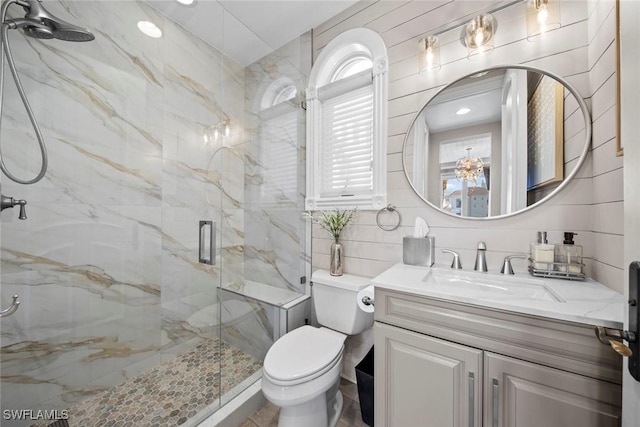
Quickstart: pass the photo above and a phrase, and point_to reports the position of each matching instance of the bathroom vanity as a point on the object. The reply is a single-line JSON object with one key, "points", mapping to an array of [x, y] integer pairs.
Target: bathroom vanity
{"points": [[473, 349]]}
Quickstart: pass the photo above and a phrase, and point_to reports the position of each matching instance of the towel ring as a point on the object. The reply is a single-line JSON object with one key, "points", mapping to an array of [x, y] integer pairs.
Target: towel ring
{"points": [[389, 208]]}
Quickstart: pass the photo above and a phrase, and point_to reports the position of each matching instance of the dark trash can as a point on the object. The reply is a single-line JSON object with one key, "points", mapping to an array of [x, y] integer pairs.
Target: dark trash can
{"points": [[364, 377]]}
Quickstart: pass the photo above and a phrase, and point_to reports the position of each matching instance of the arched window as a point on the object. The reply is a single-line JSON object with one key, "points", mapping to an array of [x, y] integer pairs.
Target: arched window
{"points": [[347, 123], [279, 91], [279, 138]]}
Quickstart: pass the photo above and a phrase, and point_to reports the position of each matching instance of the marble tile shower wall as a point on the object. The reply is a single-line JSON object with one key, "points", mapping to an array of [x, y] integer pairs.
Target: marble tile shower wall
{"points": [[106, 265], [275, 251], [271, 232], [582, 51]]}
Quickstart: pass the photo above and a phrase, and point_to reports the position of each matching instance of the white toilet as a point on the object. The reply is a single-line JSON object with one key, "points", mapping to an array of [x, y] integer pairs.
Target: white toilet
{"points": [[301, 371]]}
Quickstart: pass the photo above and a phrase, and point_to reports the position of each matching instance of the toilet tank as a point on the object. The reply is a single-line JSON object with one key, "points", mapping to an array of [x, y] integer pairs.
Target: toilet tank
{"points": [[335, 302]]}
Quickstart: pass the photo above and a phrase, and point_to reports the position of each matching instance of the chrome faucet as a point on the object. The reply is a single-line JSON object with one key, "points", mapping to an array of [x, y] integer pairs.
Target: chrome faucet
{"points": [[455, 263], [506, 266], [481, 258]]}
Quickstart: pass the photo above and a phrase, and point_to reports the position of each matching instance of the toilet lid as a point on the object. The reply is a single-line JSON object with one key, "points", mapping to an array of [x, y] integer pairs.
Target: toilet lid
{"points": [[302, 353]]}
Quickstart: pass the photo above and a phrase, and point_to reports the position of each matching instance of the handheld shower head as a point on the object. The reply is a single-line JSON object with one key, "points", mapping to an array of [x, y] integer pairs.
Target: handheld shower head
{"points": [[39, 17]]}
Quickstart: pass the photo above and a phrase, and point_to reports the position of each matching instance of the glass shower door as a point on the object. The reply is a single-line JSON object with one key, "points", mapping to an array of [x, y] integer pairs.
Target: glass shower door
{"points": [[116, 311]]}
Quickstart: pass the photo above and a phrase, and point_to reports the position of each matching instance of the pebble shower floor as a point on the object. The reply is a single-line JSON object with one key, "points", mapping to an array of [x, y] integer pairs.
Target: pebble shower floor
{"points": [[169, 394]]}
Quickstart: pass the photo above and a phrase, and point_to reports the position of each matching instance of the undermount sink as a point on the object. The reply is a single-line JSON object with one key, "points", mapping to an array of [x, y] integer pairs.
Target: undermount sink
{"points": [[489, 286]]}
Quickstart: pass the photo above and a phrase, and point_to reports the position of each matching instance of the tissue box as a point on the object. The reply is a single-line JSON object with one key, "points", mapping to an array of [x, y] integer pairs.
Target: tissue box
{"points": [[418, 250]]}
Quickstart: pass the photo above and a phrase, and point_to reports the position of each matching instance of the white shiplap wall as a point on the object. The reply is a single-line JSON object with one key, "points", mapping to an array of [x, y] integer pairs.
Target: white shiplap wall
{"points": [[582, 51]]}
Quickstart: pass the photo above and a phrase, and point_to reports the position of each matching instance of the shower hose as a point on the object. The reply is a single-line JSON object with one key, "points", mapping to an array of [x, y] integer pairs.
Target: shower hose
{"points": [[5, 51]]}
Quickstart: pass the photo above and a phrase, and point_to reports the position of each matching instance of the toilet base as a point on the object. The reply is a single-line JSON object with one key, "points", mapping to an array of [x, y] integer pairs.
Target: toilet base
{"points": [[337, 410], [320, 412]]}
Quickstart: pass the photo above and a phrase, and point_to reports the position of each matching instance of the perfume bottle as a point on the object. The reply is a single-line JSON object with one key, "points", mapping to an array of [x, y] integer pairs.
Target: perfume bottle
{"points": [[542, 253], [568, 256]]}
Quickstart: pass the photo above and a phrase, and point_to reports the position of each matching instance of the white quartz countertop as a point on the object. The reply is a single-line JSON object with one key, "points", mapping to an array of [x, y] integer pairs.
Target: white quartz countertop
{"points": [[587, 302]]}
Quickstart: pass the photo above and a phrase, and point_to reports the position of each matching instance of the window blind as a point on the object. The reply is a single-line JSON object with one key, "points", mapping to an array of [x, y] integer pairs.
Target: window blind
{"points": [[279, 137], [347, 144]]}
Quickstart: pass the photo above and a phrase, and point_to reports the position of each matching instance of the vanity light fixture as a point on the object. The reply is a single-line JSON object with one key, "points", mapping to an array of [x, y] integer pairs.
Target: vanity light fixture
{"points": [[185, 2], [542, 17], [478, 35], [469, 168], [463, 111], [429, 56], [149, 29], [215, 132]]}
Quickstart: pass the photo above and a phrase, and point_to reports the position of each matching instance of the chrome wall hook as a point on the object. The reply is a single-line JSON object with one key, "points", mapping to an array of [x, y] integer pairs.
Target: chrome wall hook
{"points": [[12, 308]]}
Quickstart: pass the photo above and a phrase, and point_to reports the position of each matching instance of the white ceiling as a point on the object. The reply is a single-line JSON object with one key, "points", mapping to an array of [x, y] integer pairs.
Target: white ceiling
{"points": [[482, 95], [247, 30]]}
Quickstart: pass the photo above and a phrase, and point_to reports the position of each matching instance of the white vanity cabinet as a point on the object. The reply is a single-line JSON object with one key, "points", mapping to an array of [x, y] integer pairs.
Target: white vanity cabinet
{"points": [[425, 381], [440, 363]]}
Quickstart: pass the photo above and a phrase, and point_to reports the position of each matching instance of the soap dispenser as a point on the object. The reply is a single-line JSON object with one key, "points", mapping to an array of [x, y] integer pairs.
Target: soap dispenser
{"points": [[542, 253], [569, 255]]}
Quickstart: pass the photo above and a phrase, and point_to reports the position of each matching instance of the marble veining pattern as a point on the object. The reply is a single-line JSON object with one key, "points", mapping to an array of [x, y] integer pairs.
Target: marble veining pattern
{"points": [[274, 188], [106, 265]]}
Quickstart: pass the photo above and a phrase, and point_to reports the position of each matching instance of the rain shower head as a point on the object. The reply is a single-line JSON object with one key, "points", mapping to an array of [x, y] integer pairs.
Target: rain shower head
{"points": [[38, 20]]}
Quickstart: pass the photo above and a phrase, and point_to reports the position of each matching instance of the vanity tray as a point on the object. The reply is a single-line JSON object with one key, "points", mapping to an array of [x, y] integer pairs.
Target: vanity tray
{"points": [[557, 270]]}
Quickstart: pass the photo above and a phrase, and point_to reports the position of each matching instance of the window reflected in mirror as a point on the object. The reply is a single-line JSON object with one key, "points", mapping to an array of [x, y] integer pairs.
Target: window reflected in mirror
{"points": [[465, 166], [496, 142]]}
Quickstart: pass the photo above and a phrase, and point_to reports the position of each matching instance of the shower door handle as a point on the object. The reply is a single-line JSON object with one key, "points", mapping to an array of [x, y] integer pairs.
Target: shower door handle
{"points": [[206, 247]]}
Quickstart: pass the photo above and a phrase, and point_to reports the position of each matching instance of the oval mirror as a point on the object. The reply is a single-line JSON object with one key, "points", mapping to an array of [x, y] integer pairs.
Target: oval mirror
{"points": [[497, 142]]}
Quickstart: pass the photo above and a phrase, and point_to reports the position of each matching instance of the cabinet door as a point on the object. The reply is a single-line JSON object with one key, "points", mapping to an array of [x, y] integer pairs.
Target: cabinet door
{"points": [[424, 381], [523, 394]]}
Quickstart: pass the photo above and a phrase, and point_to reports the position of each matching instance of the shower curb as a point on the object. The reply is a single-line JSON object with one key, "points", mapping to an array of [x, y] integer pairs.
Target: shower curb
{"points": [[238, 409]]}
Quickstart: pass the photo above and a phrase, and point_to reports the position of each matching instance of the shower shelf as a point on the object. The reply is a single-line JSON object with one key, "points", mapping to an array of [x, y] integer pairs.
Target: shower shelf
{"points": [[277, 297], [287, 309]]}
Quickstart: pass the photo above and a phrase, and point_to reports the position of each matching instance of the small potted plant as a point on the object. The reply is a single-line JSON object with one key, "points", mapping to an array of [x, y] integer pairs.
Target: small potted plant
{"points": [[334, 222]]}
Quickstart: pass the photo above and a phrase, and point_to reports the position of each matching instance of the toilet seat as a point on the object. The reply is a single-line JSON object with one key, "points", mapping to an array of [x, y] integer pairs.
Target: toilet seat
{"points": [[302, 355]]}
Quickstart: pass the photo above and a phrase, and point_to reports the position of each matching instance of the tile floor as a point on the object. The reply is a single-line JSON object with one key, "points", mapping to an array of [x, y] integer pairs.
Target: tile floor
{"points": [[267, 416], [171, 393]]}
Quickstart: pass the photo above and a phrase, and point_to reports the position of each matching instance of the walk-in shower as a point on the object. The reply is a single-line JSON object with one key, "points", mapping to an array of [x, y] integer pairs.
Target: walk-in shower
{"points": [[117, 319]]}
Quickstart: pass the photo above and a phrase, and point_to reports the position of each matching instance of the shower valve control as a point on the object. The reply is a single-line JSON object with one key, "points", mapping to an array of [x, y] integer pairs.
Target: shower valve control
{"points": [[9, 202]]}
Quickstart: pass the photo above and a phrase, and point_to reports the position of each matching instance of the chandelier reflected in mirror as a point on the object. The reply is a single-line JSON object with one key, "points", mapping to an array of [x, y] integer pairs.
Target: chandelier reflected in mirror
{"points": [[469, 168]]}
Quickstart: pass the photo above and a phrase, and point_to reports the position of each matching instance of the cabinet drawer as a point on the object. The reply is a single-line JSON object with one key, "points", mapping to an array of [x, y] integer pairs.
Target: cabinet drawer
{"points": [[568, 346]]}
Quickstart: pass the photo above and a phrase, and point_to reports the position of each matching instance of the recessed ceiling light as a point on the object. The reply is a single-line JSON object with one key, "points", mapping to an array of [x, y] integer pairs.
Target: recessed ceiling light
{"points": [[463, 111], [149, 29], [186, 2]]}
